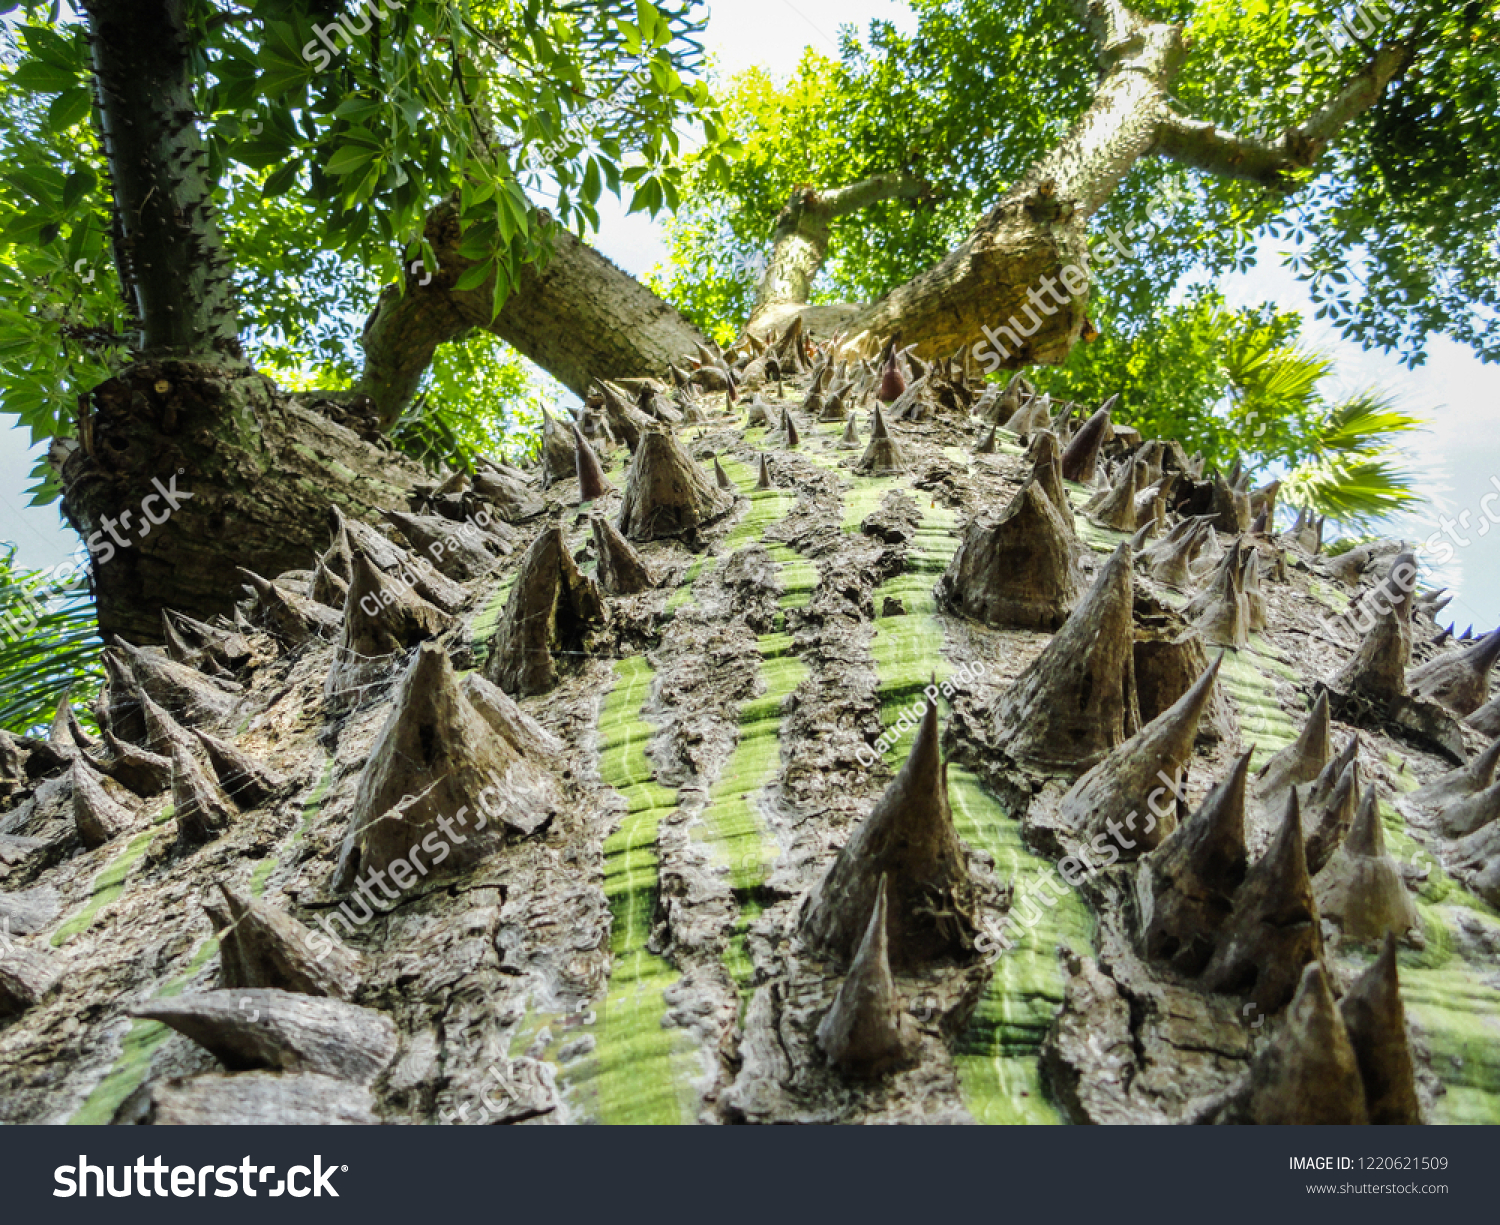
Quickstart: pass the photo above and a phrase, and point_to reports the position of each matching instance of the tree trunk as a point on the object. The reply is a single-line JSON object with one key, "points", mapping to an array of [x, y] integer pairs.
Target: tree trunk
{"points": [[689, 831], [580, 318], [169, 253], [258, 470]]}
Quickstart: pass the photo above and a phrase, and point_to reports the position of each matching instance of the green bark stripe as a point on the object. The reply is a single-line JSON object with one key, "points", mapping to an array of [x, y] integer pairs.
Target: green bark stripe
{"points": [[1249, 679], [684, 590], [1458, 1015], [1447, 987], [310, 812], [767, 506], [997, 1056], [110, 883], [129, 1070], [487, 619], [134, 1061], [731, 826], [639, 1070]]}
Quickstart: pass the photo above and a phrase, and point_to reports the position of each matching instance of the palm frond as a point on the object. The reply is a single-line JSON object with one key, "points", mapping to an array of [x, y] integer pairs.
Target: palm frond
{"points": [[49, 647], [1261, 366], [1291, 374], [1351, 475], [1365, 424], [1350, 490]]}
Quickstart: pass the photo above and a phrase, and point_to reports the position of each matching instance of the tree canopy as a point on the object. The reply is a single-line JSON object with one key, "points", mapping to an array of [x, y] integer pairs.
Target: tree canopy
{"points": [[324, 138], [1391, 228], [328, 131], [1394, 226]]}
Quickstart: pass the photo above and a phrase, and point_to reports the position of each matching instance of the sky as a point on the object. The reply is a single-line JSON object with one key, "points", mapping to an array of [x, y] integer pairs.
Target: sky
{"points": [[1457, 456]]}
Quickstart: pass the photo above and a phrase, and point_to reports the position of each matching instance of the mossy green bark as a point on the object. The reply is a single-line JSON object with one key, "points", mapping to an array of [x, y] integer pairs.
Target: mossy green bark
{"points": [[639, 1071], [139, 1045], [997, 1055]]}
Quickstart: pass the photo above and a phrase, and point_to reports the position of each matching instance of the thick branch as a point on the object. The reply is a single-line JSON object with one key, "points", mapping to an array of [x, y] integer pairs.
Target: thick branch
{"points": [[841, 201], [1275, 163], [1111, 24], [1001, 272], [580, 318], [799, 243], [1002, 281]]}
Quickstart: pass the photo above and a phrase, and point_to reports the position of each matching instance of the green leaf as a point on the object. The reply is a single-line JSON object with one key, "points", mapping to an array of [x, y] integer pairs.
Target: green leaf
{"points": [[349, 159], [43, 78], [475, 191], [57, 655], [76, 187], [357, 109], [49, 46], [280, 181], [69, 107], [288, 84], [517, 208], [259, 152], [355, 134], [473, 278], [502, 290], [480, 239]]}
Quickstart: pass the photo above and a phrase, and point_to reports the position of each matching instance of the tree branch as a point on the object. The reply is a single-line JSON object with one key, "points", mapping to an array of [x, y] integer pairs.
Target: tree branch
{"points": [[1004, 273], [1039, 227], [1275, 163], [842, 201], [1111, 25], [799, 243], [578, 316], [1003, 276]]}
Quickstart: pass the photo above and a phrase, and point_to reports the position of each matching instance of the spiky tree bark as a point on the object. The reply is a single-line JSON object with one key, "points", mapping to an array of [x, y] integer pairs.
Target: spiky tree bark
{"points": [[258, 463], [493, 836]]}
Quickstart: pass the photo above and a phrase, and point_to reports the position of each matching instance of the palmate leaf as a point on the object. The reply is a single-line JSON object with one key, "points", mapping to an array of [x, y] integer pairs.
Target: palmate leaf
{"points": [[1241, 385], [1365, 423], [1283, 374], [1351, 491], [1258, 364], [49, 647], [1273, 381], [1350, 476]]}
